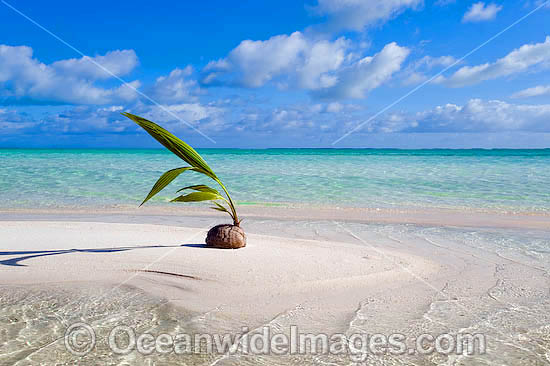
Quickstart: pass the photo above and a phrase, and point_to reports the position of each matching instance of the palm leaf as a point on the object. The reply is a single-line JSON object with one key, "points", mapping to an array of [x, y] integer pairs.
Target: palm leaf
{"points": [[164, 180], [189, 155], [223, 209], [220, 208], [201, 188], [198, 197], [174, 144]]}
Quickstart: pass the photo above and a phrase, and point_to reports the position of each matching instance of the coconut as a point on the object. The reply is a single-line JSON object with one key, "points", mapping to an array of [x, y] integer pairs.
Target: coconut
{"points": [[226, 237]]}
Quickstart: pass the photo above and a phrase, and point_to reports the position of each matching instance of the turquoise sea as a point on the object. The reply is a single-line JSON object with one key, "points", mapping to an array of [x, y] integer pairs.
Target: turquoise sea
{"points": [[516, 180]]}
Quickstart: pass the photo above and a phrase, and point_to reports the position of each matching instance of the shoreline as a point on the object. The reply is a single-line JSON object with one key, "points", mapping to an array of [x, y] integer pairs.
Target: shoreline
{"points": [[427, 216]]}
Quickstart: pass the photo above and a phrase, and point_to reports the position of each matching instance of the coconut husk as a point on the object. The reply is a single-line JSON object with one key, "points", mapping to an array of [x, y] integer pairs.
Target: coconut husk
{"points": [[226, 236]]}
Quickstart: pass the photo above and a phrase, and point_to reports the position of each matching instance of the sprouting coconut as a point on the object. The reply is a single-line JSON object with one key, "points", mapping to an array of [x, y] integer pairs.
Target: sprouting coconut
{"points": [[220, 236]]}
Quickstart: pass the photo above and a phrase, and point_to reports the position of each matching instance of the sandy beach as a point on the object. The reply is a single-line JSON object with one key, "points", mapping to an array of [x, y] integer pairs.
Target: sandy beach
{"points": [[320, 182], [323, 276]]}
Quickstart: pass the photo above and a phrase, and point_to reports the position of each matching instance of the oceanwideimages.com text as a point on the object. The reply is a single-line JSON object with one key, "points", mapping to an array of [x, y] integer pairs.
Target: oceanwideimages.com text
{"points": [[80, 340]]}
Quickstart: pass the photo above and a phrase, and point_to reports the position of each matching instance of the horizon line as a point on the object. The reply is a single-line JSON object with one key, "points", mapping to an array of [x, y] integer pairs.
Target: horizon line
{"points": [[279, 148]]}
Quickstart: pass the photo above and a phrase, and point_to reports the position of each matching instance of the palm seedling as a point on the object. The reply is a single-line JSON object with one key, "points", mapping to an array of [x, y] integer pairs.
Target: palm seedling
{"points": [[221, 236]]}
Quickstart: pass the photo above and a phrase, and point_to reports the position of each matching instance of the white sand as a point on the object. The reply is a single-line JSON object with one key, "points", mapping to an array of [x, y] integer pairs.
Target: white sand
{"points": [[364, 281], [252, 285]]}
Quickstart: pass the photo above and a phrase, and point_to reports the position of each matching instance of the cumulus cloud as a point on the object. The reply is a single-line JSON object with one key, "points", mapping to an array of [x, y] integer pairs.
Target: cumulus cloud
{"points": [[322, 58], [307, 119], [88, 119], [82, 119], [358, 14], [176, 87], [533, 92], [356, 80], [331, 120], [207, 117], [325, 67], [431, 62], [415, 72], [254, 63], [13, 122], [316, 123], [334, 107], [23, 77], [414, 77], [519, 60], [480, 12], [475, 116], [74, 120], [116, 63], [257, 62]]}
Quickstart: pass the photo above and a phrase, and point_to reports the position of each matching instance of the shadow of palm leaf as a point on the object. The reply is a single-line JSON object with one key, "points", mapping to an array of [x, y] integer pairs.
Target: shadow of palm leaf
{"points": [[26, 255]]}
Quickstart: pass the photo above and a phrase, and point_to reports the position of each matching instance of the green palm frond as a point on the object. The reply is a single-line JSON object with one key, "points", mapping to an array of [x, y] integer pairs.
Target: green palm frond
{"points": [[197, 164], [220, 208], [172, 143], [199, 187], [198, 197], [164, 180]]}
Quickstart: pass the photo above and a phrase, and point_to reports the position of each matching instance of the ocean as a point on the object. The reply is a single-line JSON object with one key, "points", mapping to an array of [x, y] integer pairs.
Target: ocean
{"points": [[494, 180]]}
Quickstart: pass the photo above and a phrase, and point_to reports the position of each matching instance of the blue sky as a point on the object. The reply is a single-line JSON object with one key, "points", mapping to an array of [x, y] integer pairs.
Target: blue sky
{"points": [[276, 74]]}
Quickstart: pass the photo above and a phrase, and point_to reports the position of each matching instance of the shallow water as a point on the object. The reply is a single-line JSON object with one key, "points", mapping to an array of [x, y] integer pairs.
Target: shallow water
{"points": [[513, 313], [512, 180]]}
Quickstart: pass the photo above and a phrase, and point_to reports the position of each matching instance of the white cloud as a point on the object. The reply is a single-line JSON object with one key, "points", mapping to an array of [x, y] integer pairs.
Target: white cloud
{"points": [[415, 72], [430, 62], [301, 119], [327, 120], [324, 67], [124, 93], [358, 14], [83, 119], [533, 92], [12, 122], [475, 116], [23, 77], [413, 77], [116, 62], [480, 12], [254, 63], [175, 88], [205, 117], [259, 61], [334, 107], [320, 59], [356, 80], [519, 60]]}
